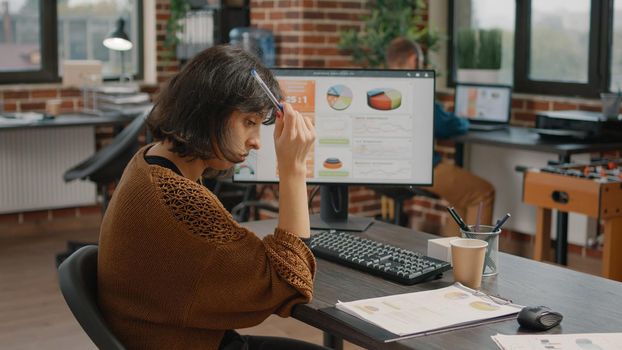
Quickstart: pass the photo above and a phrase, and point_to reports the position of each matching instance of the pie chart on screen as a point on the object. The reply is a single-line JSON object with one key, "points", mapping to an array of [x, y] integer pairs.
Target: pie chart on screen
{"points": [[339, 97], [384, 99]]}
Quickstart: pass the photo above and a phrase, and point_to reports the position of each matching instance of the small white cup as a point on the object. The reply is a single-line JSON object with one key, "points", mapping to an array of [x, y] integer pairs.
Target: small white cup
{"points": [[611, 104]]}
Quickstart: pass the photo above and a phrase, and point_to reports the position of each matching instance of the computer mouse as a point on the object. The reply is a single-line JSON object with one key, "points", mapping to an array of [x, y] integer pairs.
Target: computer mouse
{"points": [[539, 318]]}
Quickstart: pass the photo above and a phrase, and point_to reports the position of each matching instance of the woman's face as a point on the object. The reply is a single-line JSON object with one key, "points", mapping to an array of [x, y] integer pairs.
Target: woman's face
{"points": [[244, 134]]}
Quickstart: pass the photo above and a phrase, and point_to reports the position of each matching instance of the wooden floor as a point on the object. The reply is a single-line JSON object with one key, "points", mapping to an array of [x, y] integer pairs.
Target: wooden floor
{"points": [[33, 314]]}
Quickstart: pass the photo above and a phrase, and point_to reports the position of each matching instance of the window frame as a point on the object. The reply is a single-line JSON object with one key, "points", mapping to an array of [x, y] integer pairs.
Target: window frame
{"points": [[599, 51], [48, 40], [48, 73]]}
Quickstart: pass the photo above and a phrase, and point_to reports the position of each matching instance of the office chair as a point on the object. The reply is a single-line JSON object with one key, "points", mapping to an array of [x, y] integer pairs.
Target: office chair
{"points": [[241, 212], [231, 193], [77, 277], [106, 165], [240, 199]]}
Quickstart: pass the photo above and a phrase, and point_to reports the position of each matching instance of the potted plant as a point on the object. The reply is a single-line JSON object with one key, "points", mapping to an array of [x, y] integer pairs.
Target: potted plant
{"points": [[178, 10], [388, 20], [478, 55], [466, 49]]}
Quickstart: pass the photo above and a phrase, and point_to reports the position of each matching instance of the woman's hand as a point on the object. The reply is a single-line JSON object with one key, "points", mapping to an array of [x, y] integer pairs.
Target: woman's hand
{"points": [[293, 138]]}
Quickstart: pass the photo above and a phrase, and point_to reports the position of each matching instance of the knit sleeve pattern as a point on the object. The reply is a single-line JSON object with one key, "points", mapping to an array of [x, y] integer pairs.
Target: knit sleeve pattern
{"points": [[198, 209], [204, 216], [293, 260]]}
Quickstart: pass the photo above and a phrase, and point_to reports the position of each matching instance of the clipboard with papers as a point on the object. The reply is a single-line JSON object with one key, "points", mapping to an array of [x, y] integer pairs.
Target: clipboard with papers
{"points": [[410, 315]]}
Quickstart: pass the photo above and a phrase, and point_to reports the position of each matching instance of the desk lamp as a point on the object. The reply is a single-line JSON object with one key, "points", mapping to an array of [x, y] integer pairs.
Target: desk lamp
{"points": [[119, 41]]}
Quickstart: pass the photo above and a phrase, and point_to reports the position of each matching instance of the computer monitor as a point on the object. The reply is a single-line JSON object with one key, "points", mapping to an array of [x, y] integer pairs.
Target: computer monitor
{"points": [[373, 127], [483, 103]]}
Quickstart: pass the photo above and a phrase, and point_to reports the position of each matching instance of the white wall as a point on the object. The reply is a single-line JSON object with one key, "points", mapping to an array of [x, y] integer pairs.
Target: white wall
{"points": [[149, 41], [497, 165], [438, 20]]}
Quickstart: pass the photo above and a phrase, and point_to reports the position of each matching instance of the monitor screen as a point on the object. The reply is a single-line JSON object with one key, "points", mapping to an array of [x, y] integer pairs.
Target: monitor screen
{"points": [[487, 103], [372, 126]]}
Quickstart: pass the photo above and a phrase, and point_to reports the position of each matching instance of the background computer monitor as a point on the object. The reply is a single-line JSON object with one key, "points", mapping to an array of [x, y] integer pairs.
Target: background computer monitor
{"points": [[374, 127], [483, 103]]}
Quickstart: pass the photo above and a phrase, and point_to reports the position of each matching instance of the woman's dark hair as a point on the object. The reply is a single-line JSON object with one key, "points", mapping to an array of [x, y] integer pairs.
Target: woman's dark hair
{"points": [[192, 112]]}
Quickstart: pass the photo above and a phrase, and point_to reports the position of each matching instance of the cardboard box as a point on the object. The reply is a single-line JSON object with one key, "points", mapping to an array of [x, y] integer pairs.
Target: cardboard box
{"points": [[81, 73], [439, 248]]}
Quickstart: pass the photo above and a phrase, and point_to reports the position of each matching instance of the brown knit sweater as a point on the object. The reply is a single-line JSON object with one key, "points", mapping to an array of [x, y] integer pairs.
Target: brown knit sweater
{"points": [[175, 270]]}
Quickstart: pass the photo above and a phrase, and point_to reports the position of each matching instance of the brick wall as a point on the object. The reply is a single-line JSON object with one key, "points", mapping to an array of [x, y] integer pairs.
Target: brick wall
{"points": [[24, 98], [166, 62], [307, 31], [363, 201], [523, 112], [306, 35], [525, 107]]}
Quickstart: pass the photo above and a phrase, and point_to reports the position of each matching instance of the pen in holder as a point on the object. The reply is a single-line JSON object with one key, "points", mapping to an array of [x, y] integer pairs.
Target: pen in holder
{"points": [[489, 234]]}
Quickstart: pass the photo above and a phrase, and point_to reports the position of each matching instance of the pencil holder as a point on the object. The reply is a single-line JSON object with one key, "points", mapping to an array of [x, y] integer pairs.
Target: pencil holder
{"points": [[486, 233]]}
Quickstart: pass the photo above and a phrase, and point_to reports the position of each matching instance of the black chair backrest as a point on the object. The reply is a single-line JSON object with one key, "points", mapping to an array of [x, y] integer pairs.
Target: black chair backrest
{"points": [[241, 211], [107, 164], [78, 283]]}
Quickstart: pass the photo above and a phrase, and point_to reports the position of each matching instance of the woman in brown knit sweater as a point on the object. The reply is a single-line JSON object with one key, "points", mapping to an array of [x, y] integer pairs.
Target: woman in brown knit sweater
{"points": [[175, 270]]}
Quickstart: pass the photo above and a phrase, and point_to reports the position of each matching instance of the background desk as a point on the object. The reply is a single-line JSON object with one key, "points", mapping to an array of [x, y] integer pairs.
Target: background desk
{"points": [[494, 155], [70, 120], [34, 156], [589, 304], [525, 139]]}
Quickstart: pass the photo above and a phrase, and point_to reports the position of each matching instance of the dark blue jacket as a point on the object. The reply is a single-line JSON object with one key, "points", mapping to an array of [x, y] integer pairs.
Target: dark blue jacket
{"points": [[446, 125]]}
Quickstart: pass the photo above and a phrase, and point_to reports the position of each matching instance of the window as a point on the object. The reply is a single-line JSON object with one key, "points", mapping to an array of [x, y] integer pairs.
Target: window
{"points": [[24, 44], [560, 38], [19, 36], [616, 54], [560, 47], [83, 25], [37, 35], [484, 45]]}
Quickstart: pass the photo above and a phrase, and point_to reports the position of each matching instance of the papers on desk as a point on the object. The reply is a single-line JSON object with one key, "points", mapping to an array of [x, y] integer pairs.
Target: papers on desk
{"points": [[13, 121], [20, 118], [119, 99], [421, 313], [125, 99], [586, 341], [123, 88]]}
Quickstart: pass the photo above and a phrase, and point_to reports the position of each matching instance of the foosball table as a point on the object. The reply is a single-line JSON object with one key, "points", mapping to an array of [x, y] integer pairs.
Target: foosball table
{"points": [[594, 190]]}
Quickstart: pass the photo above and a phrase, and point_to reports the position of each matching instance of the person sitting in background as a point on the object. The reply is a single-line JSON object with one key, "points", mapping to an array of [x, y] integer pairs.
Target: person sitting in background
{"points": [[175, 271], [461, 188]]}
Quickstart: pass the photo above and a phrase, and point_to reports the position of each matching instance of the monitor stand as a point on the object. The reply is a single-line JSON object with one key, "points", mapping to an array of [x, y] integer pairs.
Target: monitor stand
{"points": [[334, 211]]}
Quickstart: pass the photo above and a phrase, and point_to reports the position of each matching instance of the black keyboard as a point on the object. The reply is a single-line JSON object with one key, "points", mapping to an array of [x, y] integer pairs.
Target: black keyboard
{"points": [[389, 262]]}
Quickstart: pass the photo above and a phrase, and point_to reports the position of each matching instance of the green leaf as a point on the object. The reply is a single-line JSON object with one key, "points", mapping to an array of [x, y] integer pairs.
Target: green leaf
{"points": [[467, 49], [388, 20], [178, 10], [489, 54]]}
